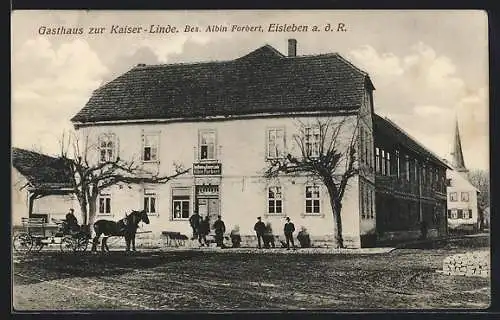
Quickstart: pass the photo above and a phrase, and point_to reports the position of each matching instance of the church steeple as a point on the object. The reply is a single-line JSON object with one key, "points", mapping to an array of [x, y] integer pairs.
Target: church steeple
{"points": [[458, 157]]}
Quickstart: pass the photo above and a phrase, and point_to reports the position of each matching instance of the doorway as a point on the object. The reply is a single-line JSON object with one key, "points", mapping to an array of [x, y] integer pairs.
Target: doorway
{"points": [[210, 207], [207, 202]]}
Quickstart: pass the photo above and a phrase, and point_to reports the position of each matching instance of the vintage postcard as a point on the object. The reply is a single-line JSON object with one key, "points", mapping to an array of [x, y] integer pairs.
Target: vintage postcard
{"points": [[250, 160]]}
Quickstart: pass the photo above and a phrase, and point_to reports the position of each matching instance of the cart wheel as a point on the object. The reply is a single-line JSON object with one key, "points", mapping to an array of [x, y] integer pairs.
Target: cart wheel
{"points": [[22, 243], [68, 244], [82, 244], [37, 245]]}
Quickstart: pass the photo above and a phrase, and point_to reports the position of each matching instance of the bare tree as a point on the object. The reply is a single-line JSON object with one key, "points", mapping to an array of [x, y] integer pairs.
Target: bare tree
{"points": [[481, 180], [324, 155], [91, 177]]}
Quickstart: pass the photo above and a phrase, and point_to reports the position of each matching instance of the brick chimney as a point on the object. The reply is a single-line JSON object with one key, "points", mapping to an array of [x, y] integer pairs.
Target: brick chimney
{"points": [[292, 47]]}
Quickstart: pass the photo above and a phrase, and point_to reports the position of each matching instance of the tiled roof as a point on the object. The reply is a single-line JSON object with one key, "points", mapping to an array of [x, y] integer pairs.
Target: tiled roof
{"points": [[263, 81], [42, 171], [386, 130]]}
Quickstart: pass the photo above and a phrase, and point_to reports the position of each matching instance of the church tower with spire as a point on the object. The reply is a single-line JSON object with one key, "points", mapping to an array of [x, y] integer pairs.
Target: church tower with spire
{"points": [[462, 195], [457, 154]]}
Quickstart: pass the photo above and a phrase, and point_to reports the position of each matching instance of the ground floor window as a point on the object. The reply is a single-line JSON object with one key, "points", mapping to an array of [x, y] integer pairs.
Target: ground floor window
{"points": [[313, 200], [367, 202], [275, 200], [105, 204], [452, 214], [459, 214], [362, 202], [468, 214], [180, 203], [372, 203], [150, 202]]}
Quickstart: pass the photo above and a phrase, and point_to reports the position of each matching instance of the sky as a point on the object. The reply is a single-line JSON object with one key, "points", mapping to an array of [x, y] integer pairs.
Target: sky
{"points": [[429, 68]]}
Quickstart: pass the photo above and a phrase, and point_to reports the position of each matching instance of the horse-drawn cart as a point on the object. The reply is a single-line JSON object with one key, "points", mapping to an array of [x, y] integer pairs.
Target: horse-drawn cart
{"points": [[37, 233]]}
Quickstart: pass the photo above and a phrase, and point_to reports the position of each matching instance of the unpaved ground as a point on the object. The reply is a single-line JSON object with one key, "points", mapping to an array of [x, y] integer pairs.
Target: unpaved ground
{"points": [[213, 280]]}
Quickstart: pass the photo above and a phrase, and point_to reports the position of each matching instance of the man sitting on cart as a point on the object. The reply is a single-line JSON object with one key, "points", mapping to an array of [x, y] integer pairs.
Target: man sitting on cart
{"points": [[71, 222]]}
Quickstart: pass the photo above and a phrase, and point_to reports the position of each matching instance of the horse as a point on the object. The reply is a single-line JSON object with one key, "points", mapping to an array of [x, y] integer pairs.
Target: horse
{"points": [[126, 227]]}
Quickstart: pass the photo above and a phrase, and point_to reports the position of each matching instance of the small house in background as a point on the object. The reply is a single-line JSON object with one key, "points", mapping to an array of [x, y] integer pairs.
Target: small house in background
{"points": [[462, 195], [41, 187]]}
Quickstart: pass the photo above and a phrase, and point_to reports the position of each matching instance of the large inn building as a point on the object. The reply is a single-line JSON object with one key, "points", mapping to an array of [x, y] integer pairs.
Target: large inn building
{"points": [[226, 120]]}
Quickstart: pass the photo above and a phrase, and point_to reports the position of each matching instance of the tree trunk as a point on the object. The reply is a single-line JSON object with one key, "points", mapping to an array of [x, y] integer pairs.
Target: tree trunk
{"points": [[337, 209], [92, 213], [83, 208], [336, 205]]}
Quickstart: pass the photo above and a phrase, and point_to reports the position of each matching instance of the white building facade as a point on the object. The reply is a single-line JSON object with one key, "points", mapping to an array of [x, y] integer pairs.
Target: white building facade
{"points": [[228, 150]]}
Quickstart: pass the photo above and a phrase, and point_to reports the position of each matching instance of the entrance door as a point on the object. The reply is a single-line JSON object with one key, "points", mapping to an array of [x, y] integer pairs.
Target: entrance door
{"points": [[210, 207]]}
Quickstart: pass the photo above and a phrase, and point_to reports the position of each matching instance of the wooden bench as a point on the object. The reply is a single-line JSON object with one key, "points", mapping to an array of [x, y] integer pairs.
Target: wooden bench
{"points": [[175, 239]]}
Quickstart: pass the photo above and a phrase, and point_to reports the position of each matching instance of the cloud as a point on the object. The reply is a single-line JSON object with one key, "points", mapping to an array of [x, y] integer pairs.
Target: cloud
{"points": [[50, 84], [175, 45], [380, 65], [422, 91], [425, 111]]}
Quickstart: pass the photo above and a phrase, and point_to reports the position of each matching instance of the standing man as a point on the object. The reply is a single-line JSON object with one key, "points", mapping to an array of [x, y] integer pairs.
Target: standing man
{"points": [[195, 222], [220, 228], [289, 229], [260, 229], [71, 221], [203, 231]]}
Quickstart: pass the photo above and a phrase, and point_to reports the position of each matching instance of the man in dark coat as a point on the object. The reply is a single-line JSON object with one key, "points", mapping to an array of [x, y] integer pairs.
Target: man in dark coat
{"points": [[203, 231], [220, 228], [195, 221], [260, 229], [289, 229], [71, 221]]}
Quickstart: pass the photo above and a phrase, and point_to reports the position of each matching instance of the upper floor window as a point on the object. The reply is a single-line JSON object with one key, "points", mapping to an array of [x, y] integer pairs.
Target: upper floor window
{"points": [[398, 172], [207, 145], [368, 153], [388, 163], [407, 167], [382, 160], [150, 144], [415, 168], [313, 200], [107, 147], [275, 200], [312, 141], [465, 196], [424, 174], [453, 196], [275, 143], [363, 155], [377, 159]]}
